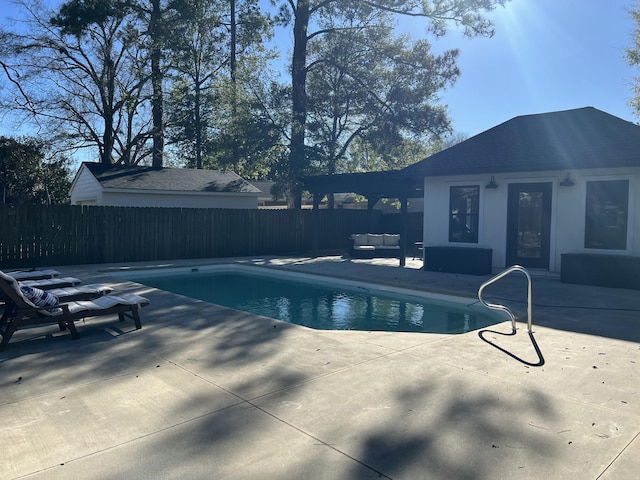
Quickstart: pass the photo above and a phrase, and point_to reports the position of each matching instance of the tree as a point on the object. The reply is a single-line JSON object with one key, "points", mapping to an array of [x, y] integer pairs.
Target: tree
{"points": [[197, 55], [27, 176], [79, 75], [214, 116], [368, 84], [438, 15], [154, 28]]}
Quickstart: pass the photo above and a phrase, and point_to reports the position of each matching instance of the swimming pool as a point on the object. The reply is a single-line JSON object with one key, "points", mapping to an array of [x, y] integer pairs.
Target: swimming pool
{"points": [[319, 302]]}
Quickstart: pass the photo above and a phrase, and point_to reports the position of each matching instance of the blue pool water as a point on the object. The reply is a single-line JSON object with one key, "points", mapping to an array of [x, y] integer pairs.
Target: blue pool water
{"points": [[321, 305]]}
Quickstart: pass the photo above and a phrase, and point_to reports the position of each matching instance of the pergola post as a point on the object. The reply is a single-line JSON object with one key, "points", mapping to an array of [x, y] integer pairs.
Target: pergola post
{"points": [[315, 244], [404, 228]]}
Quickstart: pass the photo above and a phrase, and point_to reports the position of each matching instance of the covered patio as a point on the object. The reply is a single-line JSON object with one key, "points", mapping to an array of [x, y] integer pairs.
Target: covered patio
{"points": [[374, 186]]}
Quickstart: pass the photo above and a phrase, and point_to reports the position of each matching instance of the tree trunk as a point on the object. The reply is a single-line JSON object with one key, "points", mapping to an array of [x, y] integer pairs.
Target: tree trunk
{"points": [[156, 82], [198, 123], [297, 160], [234, 88]]}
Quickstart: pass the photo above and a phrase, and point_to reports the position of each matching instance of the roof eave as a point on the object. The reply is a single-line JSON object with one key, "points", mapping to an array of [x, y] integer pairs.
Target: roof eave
{"points": [[137, 191]]}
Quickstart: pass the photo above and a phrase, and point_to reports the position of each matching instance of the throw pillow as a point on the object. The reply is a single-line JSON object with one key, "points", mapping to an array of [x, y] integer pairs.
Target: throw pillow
{"points": [[38, 297]]}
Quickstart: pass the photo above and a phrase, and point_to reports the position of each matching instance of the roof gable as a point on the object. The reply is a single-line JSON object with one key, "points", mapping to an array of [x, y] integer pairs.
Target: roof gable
{"points": [[118, 177], [571, 139]]}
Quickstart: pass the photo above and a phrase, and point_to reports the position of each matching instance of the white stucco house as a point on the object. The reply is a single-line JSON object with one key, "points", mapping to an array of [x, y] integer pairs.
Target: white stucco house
{"points": [[135, 186], [538, 191]]}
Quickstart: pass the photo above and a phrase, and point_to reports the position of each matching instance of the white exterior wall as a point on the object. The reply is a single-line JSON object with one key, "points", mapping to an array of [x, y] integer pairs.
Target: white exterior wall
{"points": [[179, 200], [567, 211], [85, 189]]}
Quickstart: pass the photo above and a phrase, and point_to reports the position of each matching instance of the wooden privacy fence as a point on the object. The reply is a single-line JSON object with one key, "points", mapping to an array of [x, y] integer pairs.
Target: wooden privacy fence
{"points": [[35, 236]]}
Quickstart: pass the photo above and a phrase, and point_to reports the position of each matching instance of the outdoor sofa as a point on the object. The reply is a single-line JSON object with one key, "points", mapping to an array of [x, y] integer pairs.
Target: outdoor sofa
{"points": [[370, 245]]}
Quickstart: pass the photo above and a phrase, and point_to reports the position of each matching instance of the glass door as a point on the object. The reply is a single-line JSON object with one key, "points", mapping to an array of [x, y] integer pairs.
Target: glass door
{"points": [[529, 224]]}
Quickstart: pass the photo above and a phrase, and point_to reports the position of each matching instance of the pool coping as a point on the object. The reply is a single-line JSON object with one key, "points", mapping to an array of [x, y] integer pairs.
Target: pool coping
{"points": [[285, 272]]}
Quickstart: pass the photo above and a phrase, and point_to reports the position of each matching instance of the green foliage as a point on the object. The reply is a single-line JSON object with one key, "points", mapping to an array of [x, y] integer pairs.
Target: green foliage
{"points": [[365, 157], [367, 84], [27, 178], [633, 58], [215, 117], [76, 16]]}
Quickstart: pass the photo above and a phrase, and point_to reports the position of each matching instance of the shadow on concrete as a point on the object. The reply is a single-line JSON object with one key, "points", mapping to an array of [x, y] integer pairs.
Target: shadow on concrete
{"points": [[473, 435], [539, 363], [437, 429]]}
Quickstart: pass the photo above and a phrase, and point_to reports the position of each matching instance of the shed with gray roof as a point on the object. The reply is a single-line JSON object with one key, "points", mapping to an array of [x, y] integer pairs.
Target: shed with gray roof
{"points": [[136, 186]]}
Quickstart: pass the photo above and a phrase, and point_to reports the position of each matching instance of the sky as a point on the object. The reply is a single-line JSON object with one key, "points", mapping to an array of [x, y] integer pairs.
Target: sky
{"points": [[546, 55]]}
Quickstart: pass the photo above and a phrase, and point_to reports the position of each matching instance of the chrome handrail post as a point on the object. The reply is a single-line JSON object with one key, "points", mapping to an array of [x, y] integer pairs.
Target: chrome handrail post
{"points": [[502, 308]]}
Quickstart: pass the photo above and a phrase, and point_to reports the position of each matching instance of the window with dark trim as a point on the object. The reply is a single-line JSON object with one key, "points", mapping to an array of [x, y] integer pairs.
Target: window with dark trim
{"points": [[464, 209], [606, 214]]}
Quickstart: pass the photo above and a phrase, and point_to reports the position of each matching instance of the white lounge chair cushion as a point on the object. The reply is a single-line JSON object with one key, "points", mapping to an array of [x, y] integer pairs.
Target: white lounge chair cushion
{"points": [[51, 281], [95, 288], [25, 275], [103, 303]]}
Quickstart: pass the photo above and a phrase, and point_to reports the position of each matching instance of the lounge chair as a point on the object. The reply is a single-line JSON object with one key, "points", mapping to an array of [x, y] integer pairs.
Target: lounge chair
{"points": [[33, 274], [48, 284], [68, 294], [38, 307]]}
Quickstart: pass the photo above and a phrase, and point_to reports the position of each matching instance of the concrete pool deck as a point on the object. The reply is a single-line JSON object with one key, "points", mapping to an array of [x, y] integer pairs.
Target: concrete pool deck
{"points": [[205, 392]]}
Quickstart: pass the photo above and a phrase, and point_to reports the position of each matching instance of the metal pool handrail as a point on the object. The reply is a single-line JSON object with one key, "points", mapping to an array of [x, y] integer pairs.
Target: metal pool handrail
{"points": [[495, 306]]}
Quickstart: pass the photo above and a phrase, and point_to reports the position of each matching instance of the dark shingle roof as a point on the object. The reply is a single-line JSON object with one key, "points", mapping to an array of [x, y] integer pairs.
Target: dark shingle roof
{"points": [[168, 179], [264, 186], [571, 139]]}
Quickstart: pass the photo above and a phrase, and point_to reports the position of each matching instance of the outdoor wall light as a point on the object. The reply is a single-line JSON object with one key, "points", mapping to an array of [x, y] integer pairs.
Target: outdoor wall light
{"points": [[492, 183], [567, 182]]}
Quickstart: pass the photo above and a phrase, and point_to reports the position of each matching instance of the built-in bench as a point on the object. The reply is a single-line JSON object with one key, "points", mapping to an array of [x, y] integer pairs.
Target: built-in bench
{"points": [[602, 270], [466, 260], [370, 245]]}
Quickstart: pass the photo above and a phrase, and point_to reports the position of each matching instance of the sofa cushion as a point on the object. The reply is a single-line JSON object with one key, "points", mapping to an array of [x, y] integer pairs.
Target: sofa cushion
{"points": [[375, 239], [364, 248], [391, 240], [359, 239]]}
